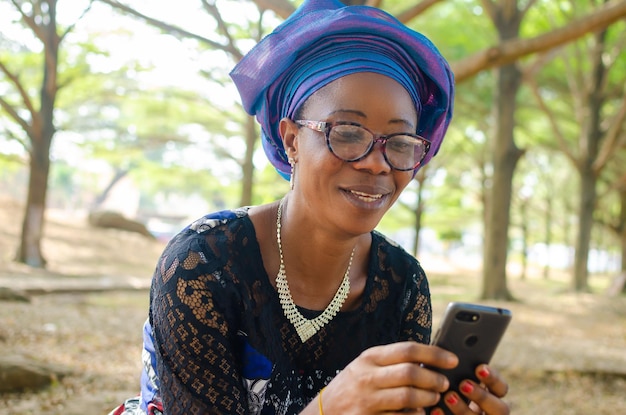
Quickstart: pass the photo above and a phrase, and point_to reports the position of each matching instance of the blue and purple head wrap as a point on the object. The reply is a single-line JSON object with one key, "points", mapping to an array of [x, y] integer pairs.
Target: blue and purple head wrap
{"points": [[325, 40]]}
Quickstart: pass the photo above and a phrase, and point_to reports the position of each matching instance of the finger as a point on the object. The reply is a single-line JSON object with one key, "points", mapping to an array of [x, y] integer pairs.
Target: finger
{"points": [[454, 402], [486, 401], [410, 351], [404, 399], [492, 380], [411, 374]]}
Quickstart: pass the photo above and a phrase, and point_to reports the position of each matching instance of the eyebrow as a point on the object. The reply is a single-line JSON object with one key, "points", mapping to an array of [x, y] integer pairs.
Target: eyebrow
{"points": [[363, 115]]}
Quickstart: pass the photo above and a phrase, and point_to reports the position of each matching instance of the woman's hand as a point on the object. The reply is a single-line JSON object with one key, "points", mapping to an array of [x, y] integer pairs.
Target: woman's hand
{"points": [[388, 379], [485, 398]]}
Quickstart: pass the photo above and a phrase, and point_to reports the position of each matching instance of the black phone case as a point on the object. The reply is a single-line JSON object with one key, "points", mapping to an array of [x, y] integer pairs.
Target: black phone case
{"points": [[472, 332]]}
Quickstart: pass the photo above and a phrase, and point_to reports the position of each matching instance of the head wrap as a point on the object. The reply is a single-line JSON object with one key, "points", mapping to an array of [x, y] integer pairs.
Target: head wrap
{"points": [[324, 40]]}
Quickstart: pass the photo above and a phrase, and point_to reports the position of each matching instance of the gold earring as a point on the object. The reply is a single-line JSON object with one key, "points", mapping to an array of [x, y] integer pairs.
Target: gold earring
{"points": [[292, 163]]}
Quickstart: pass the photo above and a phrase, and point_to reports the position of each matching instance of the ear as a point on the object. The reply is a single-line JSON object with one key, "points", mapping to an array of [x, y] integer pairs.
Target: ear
{"points": [[289, 133]]}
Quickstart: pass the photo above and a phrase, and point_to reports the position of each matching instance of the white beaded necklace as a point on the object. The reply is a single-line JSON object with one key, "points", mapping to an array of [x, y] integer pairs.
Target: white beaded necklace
{"points": [[305, 327]]}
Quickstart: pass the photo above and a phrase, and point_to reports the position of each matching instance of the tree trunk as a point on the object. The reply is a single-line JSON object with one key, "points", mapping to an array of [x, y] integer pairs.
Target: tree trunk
{"points": [[548, 235], [622, 231], [505, 156], [41, 134], [525, 237], [248, 164], [420, 177], [102, 197], [585, 224], [29, 251], [588, 176]]}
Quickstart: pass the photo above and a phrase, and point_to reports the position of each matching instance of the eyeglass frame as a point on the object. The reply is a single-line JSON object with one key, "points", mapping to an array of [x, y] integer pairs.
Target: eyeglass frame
{"points": [[325, 127]]}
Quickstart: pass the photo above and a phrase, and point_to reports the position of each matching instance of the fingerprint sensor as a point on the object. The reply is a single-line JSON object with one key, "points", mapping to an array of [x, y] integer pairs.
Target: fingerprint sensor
{"points": [[471, 340]]}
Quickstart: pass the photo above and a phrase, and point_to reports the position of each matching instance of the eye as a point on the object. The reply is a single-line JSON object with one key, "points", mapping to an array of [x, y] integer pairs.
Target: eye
{"points": [[348, 134], [402, 144]]}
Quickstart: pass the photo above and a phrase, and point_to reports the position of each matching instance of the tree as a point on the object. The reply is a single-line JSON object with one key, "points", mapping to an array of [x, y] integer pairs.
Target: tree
{"points": [[35, 116], [587, 131], [611, 212], [513, 49], [507, 16], [230, 38], [228, 34]]}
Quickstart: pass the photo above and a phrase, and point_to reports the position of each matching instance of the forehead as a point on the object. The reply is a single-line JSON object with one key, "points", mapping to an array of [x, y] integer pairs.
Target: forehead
{"points": [[371, 94]]}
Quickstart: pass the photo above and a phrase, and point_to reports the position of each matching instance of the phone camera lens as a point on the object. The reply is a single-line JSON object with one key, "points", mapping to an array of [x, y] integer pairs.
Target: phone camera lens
{"points": [[467, 316]]}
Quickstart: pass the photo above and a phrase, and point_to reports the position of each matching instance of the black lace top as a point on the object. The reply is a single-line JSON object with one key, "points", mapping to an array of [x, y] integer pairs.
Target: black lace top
{"points": [[223, 344]]}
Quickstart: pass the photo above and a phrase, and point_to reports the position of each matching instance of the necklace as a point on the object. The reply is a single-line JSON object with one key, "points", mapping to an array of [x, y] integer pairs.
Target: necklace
{"points": [[305, 327]]}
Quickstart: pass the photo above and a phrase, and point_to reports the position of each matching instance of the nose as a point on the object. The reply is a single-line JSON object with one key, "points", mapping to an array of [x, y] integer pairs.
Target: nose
{"points": [[374, 161]]}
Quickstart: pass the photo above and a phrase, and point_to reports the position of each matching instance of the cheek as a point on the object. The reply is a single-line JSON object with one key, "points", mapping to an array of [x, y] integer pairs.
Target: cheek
{"points": [[315, 155], [402, 179]]}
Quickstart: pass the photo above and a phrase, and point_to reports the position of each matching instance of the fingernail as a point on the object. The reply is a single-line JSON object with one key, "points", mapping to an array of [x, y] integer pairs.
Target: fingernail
{"points": [[467, 387], [483, 373], [452, 400]]}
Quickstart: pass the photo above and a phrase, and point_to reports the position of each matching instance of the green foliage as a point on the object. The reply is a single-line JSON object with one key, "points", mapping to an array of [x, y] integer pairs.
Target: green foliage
{"points": [[181, 137], [26, 65], [269, 185], [458, 28], [450, 235]]}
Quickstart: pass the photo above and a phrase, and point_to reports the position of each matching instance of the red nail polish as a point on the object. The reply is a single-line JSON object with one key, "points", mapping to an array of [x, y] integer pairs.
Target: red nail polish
{"points": [[452, 400], [467, 387], [483, 373]]}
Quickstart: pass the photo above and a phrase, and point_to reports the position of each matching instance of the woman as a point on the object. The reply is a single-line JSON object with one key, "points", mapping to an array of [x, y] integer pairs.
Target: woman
{"points": [[298, 306]]}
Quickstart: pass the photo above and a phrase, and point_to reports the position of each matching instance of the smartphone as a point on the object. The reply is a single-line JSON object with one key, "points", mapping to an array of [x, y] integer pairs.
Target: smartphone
{"points": [[472, 332]]}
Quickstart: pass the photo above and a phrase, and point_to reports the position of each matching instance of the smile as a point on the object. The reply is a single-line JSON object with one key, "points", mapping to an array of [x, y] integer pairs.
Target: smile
{"points": [[366, 197]]}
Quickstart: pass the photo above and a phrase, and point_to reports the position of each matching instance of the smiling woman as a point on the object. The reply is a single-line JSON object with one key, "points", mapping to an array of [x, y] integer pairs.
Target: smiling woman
{"points": [[257, 310]]}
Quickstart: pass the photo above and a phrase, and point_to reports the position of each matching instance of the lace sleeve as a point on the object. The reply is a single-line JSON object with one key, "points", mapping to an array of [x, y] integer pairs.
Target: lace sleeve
{"points": [[418, 310], [190, 313]]}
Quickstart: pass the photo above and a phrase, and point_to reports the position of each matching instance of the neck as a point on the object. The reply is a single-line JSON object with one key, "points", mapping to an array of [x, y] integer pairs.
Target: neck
{"points": [[314, 270], [311, 249]]}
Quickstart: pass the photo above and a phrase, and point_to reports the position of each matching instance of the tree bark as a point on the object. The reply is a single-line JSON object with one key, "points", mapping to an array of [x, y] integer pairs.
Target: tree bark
{"points": [[525, 236], [247, 168], [420, 177], [41, 133], [586, 204], [29, 251], [548, 233], [504, 158], [622, 231], [590, 144]]}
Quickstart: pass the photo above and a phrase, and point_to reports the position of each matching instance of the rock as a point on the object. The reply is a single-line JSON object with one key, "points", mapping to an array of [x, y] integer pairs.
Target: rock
{"points": [[9, 294], [18, 373], [115, 220]]}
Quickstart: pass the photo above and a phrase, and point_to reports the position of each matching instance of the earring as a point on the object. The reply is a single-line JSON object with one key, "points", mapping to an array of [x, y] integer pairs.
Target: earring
{"points": [[292, 163]]}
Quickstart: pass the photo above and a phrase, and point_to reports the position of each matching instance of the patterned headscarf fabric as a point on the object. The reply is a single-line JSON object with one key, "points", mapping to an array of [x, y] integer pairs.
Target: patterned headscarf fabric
{"points": [[324, 40]]}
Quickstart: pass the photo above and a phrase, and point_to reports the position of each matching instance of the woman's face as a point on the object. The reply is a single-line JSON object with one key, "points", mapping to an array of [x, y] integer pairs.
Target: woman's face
{"points": [[352, 195]]}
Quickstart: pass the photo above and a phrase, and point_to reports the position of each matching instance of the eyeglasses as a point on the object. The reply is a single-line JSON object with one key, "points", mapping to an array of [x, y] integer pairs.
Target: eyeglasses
{"points": [[350, 141]]}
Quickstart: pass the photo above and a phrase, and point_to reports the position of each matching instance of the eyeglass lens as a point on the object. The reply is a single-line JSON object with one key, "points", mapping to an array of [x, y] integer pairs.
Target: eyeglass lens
{"points": [[351, 142]]}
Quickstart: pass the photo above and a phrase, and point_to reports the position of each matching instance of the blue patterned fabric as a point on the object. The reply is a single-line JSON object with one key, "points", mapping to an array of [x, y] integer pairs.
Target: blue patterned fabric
{"points": [[325, 40]]}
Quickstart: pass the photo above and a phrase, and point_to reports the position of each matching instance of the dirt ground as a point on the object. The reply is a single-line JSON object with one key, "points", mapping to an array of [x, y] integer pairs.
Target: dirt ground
{"points": [[563, 354]]}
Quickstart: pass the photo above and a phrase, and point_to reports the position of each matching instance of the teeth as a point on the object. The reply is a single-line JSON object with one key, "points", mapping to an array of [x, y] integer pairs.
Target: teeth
{"points": [[366, 197]]}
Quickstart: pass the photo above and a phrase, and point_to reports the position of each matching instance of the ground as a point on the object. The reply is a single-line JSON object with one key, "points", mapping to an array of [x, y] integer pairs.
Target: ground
{"points": [[563, 354]]}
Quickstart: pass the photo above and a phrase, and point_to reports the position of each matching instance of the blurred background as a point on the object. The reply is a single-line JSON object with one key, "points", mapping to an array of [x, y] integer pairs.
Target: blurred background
{"points": [[119, 125]]}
